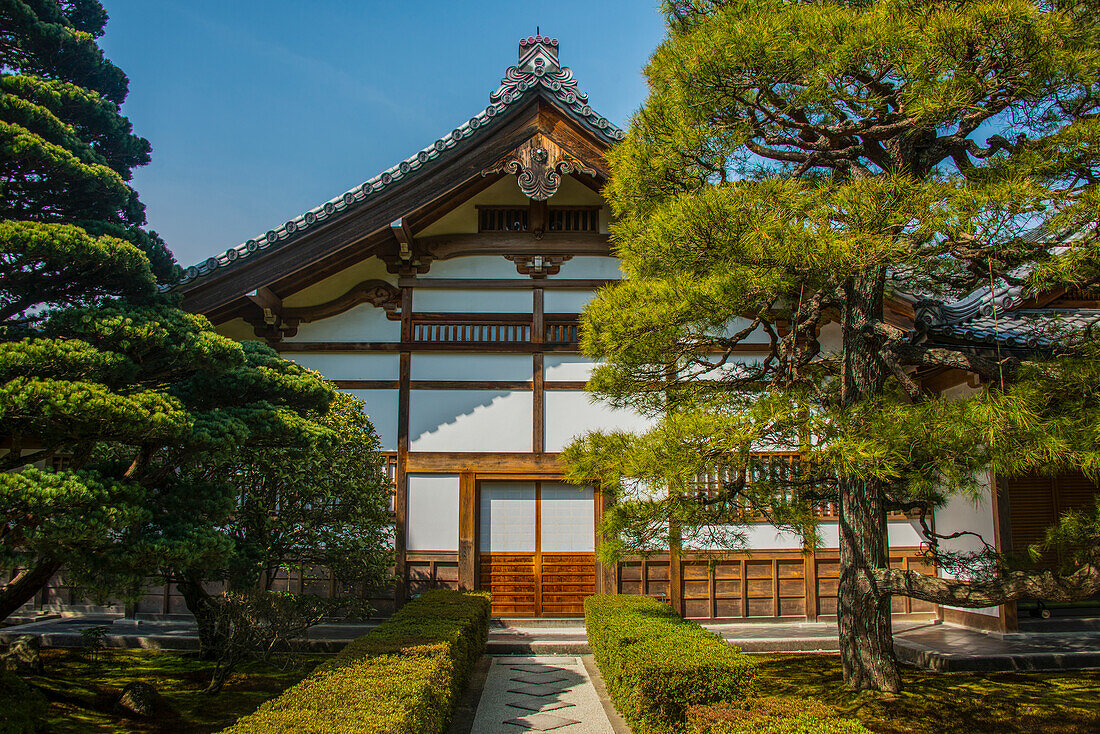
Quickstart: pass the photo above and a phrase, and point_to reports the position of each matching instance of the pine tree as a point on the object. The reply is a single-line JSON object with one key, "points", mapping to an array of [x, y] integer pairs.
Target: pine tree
{"points": [[796, 168], [106, 388]]}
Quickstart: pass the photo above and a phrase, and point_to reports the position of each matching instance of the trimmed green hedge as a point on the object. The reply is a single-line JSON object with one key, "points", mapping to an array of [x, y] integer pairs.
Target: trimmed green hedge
{"points": [[403, 677], [657, 665], [771, 716]]}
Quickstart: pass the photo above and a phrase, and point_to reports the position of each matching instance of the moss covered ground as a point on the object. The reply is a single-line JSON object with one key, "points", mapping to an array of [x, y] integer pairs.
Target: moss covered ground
{"points": [[81, 691], [945, 703]]}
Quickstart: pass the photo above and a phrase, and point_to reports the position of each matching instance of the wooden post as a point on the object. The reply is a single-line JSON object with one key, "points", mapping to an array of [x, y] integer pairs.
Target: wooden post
{"points": [[538, 396], [467, 532], [809, 572], [1002, 542], [401, 495], [675, 572]]}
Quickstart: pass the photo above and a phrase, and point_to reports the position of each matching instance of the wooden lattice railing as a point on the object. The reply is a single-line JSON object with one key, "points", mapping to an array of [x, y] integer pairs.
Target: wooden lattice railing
{"points": [[774, 466]]}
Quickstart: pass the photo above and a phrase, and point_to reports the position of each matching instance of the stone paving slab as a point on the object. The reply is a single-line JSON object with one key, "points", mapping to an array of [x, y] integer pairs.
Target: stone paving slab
{"points": [[569, 705]]}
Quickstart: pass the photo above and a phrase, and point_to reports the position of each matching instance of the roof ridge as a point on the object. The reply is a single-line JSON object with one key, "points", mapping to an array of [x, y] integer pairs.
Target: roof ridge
{"points": [[515, 86]]}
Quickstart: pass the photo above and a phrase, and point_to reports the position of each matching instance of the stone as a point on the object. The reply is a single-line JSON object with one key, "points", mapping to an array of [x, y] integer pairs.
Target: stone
{"points": [[538, 668], [538, 689], [139, 699], [23, 654], [540, 705], [539, 678], [541, 722]]}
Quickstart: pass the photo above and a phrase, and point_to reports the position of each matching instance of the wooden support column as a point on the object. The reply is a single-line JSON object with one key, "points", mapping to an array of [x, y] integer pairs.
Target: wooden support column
{"points": [[809, 572], [675, 571], [467, 532], [1002, 542], [606, 576], [401, 496], [538, 376]]}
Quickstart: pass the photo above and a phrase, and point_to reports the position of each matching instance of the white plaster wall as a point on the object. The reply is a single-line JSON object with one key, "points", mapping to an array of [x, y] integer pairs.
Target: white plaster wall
{"points": [[470, 420], [507, 517], [757, 536], [463, 218], [590, 267], [447, 300], [432, 523], [340, 283], [349, 365], [738, 324], [567, 367], [904, 534], [364, 323], [381, 407], [568, 518], [570, 413], [476, 266], [829, 533], [238, 330], [963, 513], [452, 366], [566, 300]]}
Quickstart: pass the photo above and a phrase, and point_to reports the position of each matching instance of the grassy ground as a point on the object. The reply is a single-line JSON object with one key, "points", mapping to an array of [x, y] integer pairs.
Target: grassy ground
{"points": [[82, 692], [946, 703]]}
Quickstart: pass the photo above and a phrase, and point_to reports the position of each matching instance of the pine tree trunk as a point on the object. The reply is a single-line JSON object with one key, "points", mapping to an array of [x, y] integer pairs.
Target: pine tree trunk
{"points": [[24, 586], [863, 613], [202, 607]]}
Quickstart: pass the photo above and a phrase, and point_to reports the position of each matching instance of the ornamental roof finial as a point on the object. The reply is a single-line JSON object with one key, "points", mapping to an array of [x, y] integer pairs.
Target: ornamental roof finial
{"points": [[538, 52]]}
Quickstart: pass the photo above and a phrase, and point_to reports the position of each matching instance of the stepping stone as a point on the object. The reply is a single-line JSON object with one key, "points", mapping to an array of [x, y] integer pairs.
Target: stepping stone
{"points": [[539, 678], [552, 705], [541, 722], [538, 668], [538, 689]]}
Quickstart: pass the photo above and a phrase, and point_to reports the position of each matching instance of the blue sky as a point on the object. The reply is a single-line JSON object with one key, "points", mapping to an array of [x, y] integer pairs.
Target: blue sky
{"points": [[258, 111]]}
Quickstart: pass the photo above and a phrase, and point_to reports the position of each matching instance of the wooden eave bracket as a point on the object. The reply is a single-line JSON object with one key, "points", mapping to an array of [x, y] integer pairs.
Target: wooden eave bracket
{"points": [[376, 292]]}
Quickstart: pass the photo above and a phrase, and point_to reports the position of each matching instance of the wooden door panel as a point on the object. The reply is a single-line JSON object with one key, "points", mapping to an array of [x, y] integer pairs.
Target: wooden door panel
{"points": [[510, 578], [566, 579]]}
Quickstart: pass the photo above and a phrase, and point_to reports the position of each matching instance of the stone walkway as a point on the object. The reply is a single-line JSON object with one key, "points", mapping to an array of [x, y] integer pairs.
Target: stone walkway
{"points": [[540, 693]]}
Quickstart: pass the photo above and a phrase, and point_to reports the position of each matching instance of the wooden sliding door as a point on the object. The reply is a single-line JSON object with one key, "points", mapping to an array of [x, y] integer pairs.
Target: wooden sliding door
{"points": [[537, 543]]}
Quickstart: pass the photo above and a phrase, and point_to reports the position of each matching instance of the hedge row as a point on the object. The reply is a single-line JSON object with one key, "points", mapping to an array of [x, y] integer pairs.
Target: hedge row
{"points": [[657, 665], [403, 677], [770, 716]]}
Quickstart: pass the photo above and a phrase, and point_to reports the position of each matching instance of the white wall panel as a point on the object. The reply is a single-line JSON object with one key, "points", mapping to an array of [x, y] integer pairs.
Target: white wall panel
{"points": [[739, 324], [382, 410], [350, 365], [904, 534], [963, 513], [453, 300], [757, 536], [476, 266], [566, 300], [568, 519], [570, 413], [587, 267], [364, 323], [433, 512], [507, 517], [459, 366], [567, 367], [470, 420]]}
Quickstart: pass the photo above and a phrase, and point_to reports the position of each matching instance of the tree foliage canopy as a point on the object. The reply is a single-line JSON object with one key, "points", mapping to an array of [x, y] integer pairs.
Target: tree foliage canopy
{"points": [[800, 174]]}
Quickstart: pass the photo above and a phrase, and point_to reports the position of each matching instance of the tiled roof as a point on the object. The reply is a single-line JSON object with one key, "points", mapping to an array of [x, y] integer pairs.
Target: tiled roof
{"points": [[537, 72]]}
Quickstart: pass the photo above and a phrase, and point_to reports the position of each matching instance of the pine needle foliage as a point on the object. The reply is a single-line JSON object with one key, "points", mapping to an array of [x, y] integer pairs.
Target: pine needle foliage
{"points": [[799, 175]]}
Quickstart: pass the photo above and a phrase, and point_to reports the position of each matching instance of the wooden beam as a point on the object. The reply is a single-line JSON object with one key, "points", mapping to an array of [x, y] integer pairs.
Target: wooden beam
{"points": [[266, 299], [547, 464], [493, 283], [405, 240], [445, 246]]}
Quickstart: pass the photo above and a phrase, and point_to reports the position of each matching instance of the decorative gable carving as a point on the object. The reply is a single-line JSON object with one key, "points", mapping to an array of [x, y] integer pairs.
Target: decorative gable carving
{"points": [[538, 166]]}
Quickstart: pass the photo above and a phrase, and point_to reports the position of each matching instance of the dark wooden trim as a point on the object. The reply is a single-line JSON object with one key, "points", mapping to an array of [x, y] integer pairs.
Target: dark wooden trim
{"points": [[564, 385], [376, 292], [367, 384], [485, 463], [447, 246], [520, 385], [538, 406], [410, 346], [675, 568], [491, 283], [1002, 542], [467, 531], [401, 499]]}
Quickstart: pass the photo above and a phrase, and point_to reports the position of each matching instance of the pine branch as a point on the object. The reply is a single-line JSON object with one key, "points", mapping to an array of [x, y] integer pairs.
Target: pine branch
{"points": [[1047, 585]]}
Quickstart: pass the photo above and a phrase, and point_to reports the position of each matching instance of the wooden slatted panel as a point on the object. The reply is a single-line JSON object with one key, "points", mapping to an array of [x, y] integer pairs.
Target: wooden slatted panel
{"points": [[1032, 509], [567, 578], [471, 332], [511, 579]]}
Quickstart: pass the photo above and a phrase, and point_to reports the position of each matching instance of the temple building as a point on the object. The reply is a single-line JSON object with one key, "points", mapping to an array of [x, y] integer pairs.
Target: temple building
{"points": [[445, 293]]}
